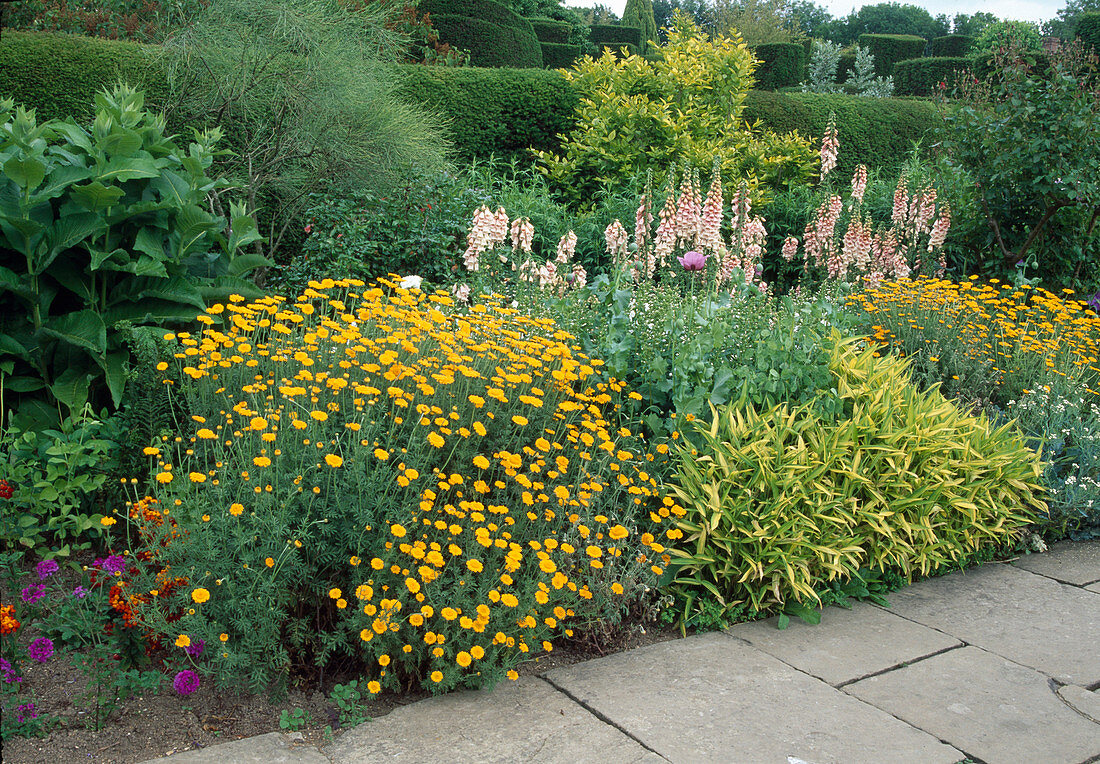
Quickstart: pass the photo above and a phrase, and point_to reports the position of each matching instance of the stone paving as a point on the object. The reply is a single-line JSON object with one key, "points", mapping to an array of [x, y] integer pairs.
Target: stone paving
{"points": [[998, 664]]}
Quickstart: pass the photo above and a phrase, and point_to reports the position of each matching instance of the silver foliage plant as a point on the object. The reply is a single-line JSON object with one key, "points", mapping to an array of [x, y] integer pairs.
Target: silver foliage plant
{"points": [[824, 66]]}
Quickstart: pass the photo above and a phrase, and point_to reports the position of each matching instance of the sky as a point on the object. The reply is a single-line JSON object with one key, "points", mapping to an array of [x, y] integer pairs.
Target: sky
{"points": [[1017, 10]]}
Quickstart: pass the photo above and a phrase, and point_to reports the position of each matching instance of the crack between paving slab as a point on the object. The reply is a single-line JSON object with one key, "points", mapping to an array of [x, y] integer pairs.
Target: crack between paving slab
{"points": [[602, 717], [1055, 685], [903, 664]]}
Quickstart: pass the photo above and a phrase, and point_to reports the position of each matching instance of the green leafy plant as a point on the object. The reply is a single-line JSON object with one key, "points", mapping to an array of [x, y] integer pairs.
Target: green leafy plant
{"points": [[347, 698], [99, 226], [782, 501], [294, 720], [684, 108]]}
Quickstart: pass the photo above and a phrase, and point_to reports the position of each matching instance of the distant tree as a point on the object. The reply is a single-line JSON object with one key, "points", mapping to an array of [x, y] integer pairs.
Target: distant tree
{"points": [[698, 10], [809, 17], [759, 22], [892, 18], [972, 24], [639, 13], [1064, 25]]}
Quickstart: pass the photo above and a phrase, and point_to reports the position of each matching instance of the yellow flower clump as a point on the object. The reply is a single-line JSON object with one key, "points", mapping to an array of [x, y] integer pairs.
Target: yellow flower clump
{"points": [[493, 494], [999, 327]]}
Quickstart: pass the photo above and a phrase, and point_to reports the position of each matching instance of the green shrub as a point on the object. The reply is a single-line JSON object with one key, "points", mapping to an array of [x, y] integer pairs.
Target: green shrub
{"points": [[950, 46], [922, 76], [501, 112], [58, 75], [494, 35], [614, 35], [555, 56], [636, 117], [1088, 29], [551, 30], [876, 132], [888, 49], [781, 65], [467, 502], [782, 500], [100, 228], [489, 44]]}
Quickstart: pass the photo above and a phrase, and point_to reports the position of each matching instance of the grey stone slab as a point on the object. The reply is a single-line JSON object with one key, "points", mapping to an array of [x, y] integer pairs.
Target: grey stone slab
{"points": [[272, 748], [1082, 701], [713, 698], [526, 721], [992, 708], [1016, 614], [847, 644], [1093, 588], [1073, 562]]}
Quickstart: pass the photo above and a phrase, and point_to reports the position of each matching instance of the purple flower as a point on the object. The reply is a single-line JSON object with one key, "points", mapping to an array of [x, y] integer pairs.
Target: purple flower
{"points": [[33, 593], [41, 649], [8, 673], [80, 592], [195, 648], [693, 261], [25, 712], [45, 569], [186, 682], [113, 564]]}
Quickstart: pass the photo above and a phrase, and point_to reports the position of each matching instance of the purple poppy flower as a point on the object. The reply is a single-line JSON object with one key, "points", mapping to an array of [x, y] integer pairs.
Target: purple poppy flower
{"points": [[693, 261], [45, 569], [195, 648], [33, 593], [41, 649], [186, 682]]}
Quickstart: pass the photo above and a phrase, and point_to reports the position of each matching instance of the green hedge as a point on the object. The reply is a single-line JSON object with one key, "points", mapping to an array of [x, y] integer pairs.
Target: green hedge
{"points": [[551, 30], [888, 49], [921, 76], [494, 35], [781, 65], [555, 56], [614, 35], [59, 74], [495, 111], [1088, 29], [952, 45], [878, 132]]}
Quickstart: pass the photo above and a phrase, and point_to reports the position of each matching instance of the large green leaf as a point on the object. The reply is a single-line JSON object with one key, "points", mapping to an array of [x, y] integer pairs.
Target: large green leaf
{"points": [[124, 168], [150, 311], [10, 281], [175, 289], [114, 369], [71, 387], [59, 180], [172, 187], [249, 261], [83, 328], [25, 172], [96, 196], [12, 346], [120, 141], [23, 384], [193, 223], [73, 277], [150, 241], [67, 232]]}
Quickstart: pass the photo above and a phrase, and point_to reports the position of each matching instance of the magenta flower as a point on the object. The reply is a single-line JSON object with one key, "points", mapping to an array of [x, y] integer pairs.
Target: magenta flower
{"points": [[693, 261], [45, 569], [113, 564], [186, 682], [195, 648], [25, 712], [33, 593], [41, 649]]}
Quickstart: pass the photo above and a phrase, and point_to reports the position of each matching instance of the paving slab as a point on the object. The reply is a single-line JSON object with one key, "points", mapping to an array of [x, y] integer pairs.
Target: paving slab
{"points": [[272, 748], [713, 698], [1093, 588], [526, 721], [1072, 562], [1082, 701], [847, 644], [1014, 613], [992, 708]]}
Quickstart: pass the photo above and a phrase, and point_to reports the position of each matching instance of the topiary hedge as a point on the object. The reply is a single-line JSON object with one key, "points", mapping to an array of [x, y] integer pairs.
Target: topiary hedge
{"points": [[555, 56], [551, 30], [494, 34], [950, 45], [495, 111], [877, 132], [888, 49], [921, 76], [58, 75], [614, 35], [1088, 29], [781, 65]]}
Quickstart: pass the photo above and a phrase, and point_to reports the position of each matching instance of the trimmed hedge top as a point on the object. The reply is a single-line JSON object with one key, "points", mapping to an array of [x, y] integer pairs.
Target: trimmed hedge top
{"points": [[921, 76], [614, 34], [888, 49], [494, 35], [1088, 29], [950, 45], [551, 30], [781, 64]]}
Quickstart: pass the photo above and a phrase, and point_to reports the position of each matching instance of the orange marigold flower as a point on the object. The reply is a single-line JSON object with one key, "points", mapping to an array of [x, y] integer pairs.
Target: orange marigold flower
{"points": [[200, 595]]}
